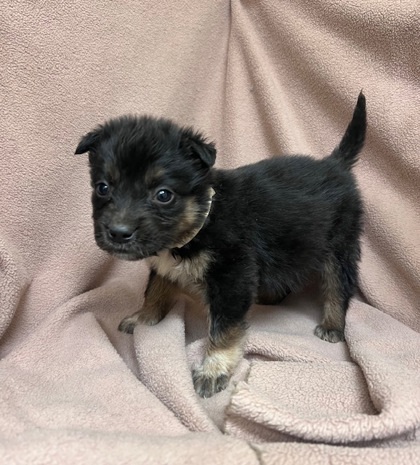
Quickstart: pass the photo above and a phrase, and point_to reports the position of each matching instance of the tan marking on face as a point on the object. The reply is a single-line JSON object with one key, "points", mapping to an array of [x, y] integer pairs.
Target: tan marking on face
{"points": [[192, 219], [154, 175], [333, 317], [112, 172]]}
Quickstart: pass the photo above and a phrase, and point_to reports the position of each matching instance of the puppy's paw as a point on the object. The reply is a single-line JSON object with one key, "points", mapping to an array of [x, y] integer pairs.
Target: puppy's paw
{"points": [[206, 385], [329, 335], [128, 323]]}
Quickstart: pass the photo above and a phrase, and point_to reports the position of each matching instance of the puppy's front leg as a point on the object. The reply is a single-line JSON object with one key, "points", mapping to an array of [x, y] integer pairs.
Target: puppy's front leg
{"points": [[230, 298], [224, 352], [158, 300]]}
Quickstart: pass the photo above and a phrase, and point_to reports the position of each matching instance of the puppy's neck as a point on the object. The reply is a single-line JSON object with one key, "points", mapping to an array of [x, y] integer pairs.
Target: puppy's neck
{"points": [[193, 233]]}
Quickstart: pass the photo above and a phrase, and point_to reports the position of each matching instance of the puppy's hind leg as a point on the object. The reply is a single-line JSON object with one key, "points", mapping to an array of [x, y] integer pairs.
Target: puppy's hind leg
{"points": [[158, 299], [338, 284]]}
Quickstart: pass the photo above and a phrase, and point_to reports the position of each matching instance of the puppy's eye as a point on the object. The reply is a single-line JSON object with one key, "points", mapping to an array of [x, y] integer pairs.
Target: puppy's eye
{"points": [[102, 189], [164, 196]]}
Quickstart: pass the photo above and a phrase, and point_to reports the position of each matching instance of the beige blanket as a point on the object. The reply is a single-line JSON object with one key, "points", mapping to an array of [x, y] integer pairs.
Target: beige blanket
{"points": [[261, 78]]}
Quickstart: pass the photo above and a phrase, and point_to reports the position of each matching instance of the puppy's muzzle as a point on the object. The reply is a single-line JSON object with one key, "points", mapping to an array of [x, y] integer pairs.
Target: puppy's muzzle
{"points": [[120, 233]]}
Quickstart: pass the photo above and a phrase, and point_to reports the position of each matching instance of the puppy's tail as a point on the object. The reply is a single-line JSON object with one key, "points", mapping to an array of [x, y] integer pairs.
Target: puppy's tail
{"points": [[353, 140]]}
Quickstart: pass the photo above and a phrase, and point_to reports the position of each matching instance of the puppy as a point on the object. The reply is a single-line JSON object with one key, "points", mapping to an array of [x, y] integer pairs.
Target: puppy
{"points": [[228, 237]]}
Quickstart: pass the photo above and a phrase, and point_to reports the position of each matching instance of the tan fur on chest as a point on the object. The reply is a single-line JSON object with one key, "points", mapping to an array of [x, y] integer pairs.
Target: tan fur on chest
{"points": [[187, 273]]}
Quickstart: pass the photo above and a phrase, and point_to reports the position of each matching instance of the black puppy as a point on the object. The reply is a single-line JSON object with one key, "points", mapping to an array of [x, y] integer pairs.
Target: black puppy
{"points": [[228, 237]]}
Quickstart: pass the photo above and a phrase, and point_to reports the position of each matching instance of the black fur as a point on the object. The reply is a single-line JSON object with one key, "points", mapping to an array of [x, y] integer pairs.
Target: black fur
{"points": [[271, 225]]}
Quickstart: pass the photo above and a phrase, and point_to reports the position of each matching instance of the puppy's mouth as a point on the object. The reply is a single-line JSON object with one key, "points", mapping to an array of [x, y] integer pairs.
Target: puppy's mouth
{"points": [[124, 252], [129, 250]]}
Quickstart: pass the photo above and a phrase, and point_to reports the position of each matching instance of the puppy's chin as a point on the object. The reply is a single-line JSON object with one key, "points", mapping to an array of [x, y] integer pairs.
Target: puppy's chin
{"points": [[129, 256], [127, 252]]}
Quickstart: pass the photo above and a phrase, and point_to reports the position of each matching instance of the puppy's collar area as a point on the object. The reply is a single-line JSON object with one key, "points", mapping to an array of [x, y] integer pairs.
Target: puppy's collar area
{"points": [[190, 236]]}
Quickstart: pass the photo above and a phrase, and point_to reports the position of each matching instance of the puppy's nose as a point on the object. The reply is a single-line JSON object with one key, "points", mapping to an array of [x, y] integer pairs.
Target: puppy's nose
{"points": [[121, 233]]}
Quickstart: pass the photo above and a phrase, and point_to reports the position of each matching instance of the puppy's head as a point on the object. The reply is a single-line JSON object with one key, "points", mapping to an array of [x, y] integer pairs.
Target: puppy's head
{"points": [[151, 184]]}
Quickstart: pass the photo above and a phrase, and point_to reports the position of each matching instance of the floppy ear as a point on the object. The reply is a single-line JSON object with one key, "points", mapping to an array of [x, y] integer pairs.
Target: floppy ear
{"points": [[206, 151], [198, 146], [88, 142]]}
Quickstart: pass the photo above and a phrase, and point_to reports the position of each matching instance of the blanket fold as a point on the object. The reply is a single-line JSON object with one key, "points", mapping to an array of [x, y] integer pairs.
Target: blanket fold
{"points": [[259, 78], [13, 283], [322, 411]]}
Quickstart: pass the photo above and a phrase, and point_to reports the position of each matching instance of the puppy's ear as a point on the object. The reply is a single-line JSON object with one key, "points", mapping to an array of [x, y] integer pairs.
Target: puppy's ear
{"points": [[198, 146], [88, 142]]}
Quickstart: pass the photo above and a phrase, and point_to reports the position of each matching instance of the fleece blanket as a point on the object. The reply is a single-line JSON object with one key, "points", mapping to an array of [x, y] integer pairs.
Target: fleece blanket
{"points": [[260, 78]]}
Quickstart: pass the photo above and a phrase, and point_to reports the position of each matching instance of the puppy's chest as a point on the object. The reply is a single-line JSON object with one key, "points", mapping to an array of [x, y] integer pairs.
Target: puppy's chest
{"points": [[188, 273]]}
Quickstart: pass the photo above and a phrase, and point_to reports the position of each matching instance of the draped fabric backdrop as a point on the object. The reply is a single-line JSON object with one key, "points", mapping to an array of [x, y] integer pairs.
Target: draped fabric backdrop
{"points": [[260, 78]]}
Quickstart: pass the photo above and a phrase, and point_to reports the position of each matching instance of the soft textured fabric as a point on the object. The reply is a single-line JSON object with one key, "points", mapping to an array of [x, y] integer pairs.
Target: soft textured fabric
{"points": [[260, 78]]}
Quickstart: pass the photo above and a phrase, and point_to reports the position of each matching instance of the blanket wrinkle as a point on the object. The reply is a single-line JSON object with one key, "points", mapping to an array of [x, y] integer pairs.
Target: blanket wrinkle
{"points": [[260, 79], [393, 382], [13, 283], [77, 446], [263, 85], [167, 374]]}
